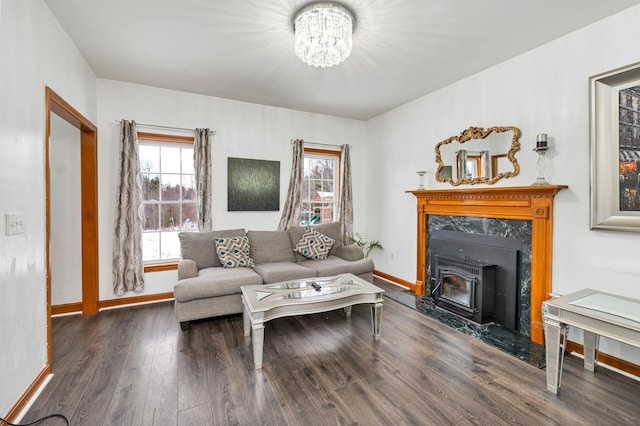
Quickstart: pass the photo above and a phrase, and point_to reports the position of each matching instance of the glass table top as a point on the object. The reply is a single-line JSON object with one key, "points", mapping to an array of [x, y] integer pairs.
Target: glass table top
{"points": [[306, 283], [306, 288], [304, 293], [611, 305], [298, 291]]}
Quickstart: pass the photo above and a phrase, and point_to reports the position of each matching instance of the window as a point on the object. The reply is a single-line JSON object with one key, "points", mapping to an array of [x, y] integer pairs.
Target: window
{"points": [[320, 189], [168, 194]]}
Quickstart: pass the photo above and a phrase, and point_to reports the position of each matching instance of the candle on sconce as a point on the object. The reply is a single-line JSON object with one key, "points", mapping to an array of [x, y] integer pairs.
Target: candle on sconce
{"points": [[421, 174], [541, 142]]}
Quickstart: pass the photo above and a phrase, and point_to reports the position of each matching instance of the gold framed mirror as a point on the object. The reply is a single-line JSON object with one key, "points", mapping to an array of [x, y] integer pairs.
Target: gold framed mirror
{"points": [[478, 155]]}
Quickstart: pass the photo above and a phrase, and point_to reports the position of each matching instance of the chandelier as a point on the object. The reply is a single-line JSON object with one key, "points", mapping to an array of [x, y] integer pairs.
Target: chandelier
{"points": [[323, 34]]}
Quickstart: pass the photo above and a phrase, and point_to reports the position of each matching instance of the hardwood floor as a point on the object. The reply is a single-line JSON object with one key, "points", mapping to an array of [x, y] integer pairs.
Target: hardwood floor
{"points": [[134, 366]]}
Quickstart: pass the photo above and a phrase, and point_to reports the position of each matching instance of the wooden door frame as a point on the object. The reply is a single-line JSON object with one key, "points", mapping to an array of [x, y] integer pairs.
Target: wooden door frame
{"points": [[89, 203]]}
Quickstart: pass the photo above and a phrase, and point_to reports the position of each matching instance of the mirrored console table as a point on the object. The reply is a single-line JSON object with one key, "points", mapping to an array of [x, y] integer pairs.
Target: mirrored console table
{"points": [[597, 314]]}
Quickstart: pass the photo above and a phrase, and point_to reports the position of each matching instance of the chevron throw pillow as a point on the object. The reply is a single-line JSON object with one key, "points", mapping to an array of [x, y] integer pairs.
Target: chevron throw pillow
{"points": [[314, 245], [233, 252]]}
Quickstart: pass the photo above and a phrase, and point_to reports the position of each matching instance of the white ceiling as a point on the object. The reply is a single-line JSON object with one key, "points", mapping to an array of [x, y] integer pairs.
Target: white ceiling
{"points": [[243, 49]]}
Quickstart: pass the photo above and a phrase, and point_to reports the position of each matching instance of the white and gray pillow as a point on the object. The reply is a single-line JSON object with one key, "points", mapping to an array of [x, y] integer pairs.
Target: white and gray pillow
{"points": [[234, 252], [314, 245]]}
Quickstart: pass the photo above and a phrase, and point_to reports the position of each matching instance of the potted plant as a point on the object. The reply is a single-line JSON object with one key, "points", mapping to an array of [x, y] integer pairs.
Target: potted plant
{"points": [[362, 241]]}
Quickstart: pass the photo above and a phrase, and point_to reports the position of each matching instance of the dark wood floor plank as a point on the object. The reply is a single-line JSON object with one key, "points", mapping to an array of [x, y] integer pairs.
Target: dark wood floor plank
{"points": [[133, 384], [147, 388], [73, 366], [197, 415], [297, 399], [161, 403], [192, 373], [107, 368], [135, 366], [222, 382]]}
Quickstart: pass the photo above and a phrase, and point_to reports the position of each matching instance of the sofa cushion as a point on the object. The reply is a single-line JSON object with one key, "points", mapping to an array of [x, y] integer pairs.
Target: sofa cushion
{"points": [[314, 245], [234, 252], [333, 265], [330, 229], [276, 272], [201, 247], [213, 282], [270, 246]]}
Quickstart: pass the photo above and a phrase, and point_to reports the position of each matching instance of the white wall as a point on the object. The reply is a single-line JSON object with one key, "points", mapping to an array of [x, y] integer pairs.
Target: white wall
{"points": [[242, 130], [34, 53], [65, 212], [543, 91]]}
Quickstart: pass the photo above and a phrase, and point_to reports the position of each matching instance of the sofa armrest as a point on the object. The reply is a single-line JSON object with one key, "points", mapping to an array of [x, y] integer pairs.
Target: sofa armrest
{"points": [[187, 269], [350, 252]]}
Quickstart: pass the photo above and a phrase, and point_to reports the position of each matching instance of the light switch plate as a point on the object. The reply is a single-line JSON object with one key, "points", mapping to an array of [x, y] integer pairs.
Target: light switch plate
{"points": [[14, 223]]}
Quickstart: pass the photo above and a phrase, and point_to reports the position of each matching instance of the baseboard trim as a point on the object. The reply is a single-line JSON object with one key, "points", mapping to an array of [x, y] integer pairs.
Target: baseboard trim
{"points": [[66, 308], [411, 286], [610, 360], [135, 300], [26, 397]]}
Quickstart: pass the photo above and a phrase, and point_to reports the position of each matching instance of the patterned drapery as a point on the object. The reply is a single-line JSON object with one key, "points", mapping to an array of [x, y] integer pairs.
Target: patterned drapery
{"points": [[292, 207], [128, 266], [345, 206], [202, 162]]}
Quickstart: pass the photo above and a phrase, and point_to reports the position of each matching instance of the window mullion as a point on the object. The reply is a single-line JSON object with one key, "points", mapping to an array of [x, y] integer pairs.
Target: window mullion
{"points": [[160, 174]]}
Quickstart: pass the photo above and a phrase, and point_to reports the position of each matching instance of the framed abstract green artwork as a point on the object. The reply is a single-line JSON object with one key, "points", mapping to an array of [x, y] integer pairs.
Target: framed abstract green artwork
{"points": [[253, 185]]}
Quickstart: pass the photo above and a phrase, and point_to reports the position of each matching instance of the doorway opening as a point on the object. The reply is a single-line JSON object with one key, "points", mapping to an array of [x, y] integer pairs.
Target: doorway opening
{"points": [[88, 143]]}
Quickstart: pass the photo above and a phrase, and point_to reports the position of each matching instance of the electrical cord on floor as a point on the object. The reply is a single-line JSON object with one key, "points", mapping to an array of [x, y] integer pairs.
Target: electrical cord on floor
{"points": [[50, 416]]}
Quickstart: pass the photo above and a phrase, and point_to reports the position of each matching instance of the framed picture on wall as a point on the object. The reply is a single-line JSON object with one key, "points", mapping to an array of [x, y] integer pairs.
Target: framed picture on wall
{"points": [[615, 149], [253, 185]]}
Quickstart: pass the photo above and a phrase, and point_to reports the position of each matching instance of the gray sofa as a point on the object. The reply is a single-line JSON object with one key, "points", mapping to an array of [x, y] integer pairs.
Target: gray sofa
{"points": [[207, 289]]}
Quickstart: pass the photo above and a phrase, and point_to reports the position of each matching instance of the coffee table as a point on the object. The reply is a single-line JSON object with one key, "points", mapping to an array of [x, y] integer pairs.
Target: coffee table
{"points": [[263, 303]]}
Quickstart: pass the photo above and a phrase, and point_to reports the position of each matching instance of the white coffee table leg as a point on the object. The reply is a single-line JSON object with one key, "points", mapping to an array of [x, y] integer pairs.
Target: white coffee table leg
{"points": [[245, 317], [376, 319], [257, 340], [347, 310]]}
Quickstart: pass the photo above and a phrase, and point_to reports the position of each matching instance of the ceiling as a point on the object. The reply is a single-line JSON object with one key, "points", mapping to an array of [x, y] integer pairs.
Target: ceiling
{"points": [[243, 49]]}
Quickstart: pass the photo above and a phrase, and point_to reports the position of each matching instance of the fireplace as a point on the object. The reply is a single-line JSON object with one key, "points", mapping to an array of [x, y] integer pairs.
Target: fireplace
{"points": [[465, 287], [490, 264], [531, 203]]}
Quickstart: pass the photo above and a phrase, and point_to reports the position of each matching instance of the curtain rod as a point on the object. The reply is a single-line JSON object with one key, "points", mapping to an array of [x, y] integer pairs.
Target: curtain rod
{"points": [[321, 144], [156, 126]]}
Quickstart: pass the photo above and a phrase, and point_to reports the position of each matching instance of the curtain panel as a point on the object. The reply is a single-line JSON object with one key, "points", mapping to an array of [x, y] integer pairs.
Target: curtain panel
{"points": [[128, 266], [291, 212], [345, 205], [202, 162]]}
